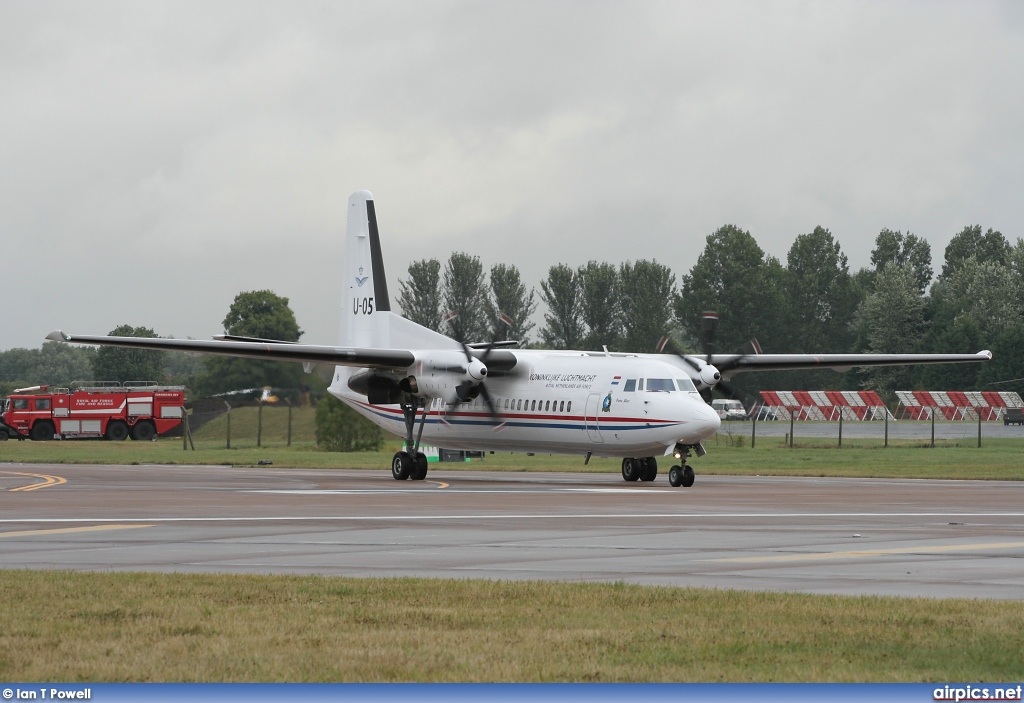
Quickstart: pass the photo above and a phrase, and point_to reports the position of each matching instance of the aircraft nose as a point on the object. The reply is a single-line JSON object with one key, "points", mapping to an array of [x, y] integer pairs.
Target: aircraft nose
{"points": [[705, 420]]}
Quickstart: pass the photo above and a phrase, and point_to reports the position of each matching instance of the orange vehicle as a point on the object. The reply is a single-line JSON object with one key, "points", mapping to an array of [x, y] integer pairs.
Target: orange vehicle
{"points": [[108, 410]]}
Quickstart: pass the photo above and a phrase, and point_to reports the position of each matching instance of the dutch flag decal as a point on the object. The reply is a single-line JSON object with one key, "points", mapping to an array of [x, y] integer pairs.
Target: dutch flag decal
{"points": [[615, 381]]}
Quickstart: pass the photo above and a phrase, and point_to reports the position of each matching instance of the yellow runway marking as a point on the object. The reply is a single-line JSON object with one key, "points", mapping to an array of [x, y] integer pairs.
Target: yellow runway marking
{"points": [[440, 484], [47, 481], [874, 553], [66, 530]]}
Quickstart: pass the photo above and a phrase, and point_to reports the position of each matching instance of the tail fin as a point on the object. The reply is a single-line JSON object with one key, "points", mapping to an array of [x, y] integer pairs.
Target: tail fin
{"points": [[366, 317]]}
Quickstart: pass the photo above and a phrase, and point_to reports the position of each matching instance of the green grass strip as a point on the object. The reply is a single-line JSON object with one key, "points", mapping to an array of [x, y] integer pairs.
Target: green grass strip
{"points": [[71, 626]]}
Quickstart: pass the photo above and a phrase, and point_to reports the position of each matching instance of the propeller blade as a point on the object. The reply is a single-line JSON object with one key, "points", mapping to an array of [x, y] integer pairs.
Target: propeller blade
{"points": [[495, 415], [708, 325]]}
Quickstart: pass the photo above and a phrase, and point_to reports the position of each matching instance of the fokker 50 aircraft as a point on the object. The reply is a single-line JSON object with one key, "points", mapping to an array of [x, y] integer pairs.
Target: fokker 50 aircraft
{"points": [[422, 385]]}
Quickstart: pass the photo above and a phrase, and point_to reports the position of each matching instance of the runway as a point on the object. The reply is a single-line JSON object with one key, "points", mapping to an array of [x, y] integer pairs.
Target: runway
{"points": [[839, 536]]}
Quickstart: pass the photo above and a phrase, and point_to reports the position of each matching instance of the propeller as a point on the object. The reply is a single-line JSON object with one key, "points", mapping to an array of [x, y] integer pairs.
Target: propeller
{"points": [[469, 389], [710, 374]]}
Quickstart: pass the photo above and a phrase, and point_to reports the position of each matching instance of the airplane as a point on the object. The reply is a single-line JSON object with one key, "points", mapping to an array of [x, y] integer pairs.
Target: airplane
{"points": [[422, 385]]}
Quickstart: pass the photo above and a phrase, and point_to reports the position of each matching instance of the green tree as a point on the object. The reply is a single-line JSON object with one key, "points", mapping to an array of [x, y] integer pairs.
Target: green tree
{"points": [[907, 250], [970, 242], [260, 314], [509, 297], [647, 290], [961, 336], [891, 320], [985, 291], [420, 297], [735, 278], [821, 295], [122, 364], [599, 305], [339, 428], [54, 364], [465, 298], [563, 323]]}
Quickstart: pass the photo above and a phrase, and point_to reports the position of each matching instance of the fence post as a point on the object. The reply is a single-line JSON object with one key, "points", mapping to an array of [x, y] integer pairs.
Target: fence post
{"points": [[979, 426], [887, 426], [933, 425], [792, 415], [840, 429], [753, 429]]}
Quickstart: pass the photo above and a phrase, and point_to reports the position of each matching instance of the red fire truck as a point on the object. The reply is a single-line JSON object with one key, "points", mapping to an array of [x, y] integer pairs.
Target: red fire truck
{"points": [[109, 410]]}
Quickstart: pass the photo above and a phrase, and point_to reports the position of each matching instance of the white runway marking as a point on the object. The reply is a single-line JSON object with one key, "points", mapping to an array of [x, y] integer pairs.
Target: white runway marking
{"points": [[509, 516], [389, 491]]}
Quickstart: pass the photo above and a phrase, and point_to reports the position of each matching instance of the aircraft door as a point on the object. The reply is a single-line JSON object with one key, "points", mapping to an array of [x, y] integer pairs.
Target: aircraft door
{"points": [[591, 415]]}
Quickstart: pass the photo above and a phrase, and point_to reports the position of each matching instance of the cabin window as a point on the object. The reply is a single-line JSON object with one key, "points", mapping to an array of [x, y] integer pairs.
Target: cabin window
{"points": [[547, 405], [519, 405], [21, 403], [630, 385], [686, 385], [660, 384], [562, 407], [568, 406], [533, 405], [42, 403], [506, 403]]}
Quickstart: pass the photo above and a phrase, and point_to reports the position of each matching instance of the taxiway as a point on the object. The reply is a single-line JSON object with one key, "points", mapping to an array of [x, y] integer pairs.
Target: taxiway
{"points": [[821, 535]]}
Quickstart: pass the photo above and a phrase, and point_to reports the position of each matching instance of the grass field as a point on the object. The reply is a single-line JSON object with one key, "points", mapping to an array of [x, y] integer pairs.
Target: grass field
{"points": [[69, 626], [996, 459]]}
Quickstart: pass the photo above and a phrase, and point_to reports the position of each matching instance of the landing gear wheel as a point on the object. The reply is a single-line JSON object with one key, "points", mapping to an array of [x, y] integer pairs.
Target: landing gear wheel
{"points": [[42, 431], [648, 468], [630, 470], [143, 431], [675, 477], [419, 469], [688, 476], [401, 466], [117, 431]]}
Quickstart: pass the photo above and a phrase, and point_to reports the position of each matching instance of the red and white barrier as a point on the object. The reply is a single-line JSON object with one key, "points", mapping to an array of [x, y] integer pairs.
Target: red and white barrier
{"points": [[956, 405], [825, 405]]}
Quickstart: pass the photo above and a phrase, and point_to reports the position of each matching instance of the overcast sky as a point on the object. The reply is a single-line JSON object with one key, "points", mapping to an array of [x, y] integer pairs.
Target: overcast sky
{"points": [[158, 158]]}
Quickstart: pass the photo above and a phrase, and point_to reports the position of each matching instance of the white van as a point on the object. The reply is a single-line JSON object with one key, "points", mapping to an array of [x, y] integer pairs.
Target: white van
{"points": [[729, 409]]}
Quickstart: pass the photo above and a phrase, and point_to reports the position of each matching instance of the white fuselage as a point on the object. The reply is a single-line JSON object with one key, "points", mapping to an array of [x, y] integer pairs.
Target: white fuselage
{"points": [[562, 403]]}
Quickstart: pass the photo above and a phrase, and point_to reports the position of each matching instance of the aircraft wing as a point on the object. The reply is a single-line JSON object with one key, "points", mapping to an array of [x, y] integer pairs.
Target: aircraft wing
{"points": [[278, 351], [730, 364]]}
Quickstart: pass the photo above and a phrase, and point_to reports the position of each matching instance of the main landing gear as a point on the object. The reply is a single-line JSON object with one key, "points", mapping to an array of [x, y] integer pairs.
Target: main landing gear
{"points": [[646, 469], [412, 464]]}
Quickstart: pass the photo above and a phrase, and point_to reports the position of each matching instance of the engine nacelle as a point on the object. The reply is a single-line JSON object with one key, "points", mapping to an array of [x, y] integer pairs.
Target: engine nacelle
{"points": [[709, 375]]}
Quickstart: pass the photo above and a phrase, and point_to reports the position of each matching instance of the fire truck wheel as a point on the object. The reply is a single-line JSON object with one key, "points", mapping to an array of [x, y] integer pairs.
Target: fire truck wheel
{"points": [[42, 431], [143, 431], [117, 431]]}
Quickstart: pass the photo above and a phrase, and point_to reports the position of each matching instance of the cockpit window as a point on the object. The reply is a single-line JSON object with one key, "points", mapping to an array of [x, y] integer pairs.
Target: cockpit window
{"points": [[686, 385], [660, 384], [630, 385]]}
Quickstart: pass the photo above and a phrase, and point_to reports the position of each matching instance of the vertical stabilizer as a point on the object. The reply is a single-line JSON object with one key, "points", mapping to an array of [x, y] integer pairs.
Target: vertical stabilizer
{"points": [[365, 287], [366, 317]]}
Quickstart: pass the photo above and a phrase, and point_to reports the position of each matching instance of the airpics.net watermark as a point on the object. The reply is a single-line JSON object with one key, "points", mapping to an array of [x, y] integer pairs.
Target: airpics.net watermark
{"points": [[978, 693]]}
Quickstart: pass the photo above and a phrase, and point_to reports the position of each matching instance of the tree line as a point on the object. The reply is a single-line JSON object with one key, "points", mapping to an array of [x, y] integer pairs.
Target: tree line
{"points": [[810, 303]]}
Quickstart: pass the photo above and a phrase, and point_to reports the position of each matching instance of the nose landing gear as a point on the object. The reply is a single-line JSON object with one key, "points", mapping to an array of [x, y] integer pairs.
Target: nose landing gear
{"points": [[681, 476]]}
